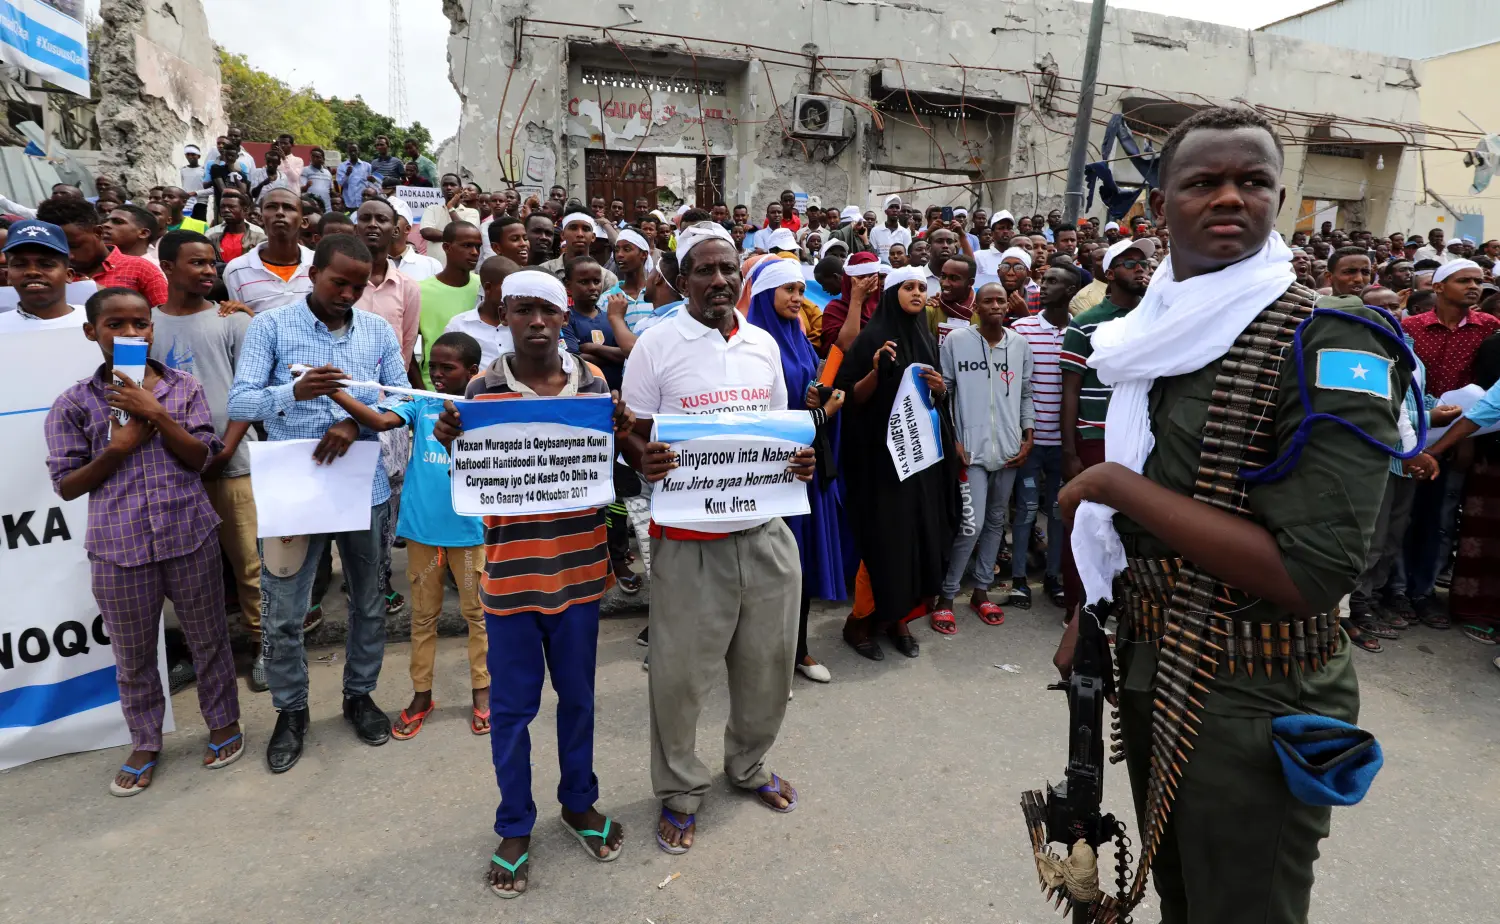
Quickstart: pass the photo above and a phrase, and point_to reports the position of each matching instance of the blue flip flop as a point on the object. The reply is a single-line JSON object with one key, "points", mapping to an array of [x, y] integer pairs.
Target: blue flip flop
{"points": [[116, 789], [220, 762], [511, 868], [682, 825], [774, 787]]}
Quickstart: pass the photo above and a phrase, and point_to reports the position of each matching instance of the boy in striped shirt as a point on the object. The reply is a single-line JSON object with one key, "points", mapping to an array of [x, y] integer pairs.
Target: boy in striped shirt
{"points": [[540, 586], [1041, 477]]}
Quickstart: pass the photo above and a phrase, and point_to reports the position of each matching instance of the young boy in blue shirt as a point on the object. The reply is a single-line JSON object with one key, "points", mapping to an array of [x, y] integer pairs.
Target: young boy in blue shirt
{"points": [[435, 535]]}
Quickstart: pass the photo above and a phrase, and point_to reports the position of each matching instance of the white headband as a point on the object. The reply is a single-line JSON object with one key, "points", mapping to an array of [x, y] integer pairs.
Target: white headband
{"points": [[697, 234], [773, 274], [830, 244], [1000, 216], [631, 236], [1112, 226], [896, 277], [866, 269], [960, 211], [532, 283], [1451, 267], [781, 239], [1019, 254], [577, 218]]}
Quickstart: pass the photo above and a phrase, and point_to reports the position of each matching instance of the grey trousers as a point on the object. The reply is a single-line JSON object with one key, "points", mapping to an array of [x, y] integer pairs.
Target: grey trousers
{"points": [[1387, 541], [732, 601], [986, 502]]}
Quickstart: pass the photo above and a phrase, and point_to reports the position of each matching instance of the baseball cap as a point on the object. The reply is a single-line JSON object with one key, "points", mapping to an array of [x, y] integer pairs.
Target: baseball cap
{"points": [[1145, 245], [33, 233]]}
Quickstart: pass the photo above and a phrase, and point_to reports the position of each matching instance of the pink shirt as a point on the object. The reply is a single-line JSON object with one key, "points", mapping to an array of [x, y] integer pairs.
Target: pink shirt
{"points": [[399, 301]]}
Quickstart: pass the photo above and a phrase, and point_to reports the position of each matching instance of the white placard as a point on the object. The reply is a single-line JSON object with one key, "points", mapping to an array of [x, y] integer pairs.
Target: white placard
{"points": [[419, 197], [1465, 397], [913, 435], [57, 670], [534, 455], [295, 496], [731, 466]]}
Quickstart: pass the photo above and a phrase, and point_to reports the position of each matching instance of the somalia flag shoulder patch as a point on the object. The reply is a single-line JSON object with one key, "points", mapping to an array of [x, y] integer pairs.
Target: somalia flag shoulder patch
{"points": [[1355, 370]]}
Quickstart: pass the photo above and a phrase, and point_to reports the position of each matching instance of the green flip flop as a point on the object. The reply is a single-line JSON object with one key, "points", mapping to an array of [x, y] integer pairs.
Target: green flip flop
{"points": [[603, 836], [511, 868]]}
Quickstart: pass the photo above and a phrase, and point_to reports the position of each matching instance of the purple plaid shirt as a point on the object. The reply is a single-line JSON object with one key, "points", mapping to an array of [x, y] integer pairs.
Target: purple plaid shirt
{"points": [[153, 507]]}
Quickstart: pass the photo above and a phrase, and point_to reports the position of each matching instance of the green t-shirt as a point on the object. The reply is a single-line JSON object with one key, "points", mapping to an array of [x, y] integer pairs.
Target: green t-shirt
{"points": [[441, 303], [1093, 400]]}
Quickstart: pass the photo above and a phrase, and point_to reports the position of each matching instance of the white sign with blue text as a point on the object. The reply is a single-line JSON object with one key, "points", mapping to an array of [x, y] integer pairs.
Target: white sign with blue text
{"points": [[520, 456], [47, 38], [914, 435], [57, 670], [731, 466]]}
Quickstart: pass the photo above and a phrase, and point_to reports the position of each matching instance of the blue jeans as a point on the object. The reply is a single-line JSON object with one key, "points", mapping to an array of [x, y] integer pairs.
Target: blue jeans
{"points": [[986, 504], [284, 604], [520, 644], [1434, 527], [1038, 483]]}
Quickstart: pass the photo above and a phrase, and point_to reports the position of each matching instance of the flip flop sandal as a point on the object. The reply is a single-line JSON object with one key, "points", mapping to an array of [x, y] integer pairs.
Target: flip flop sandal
{"points": [[1367, 642], [394, 603], [512, 868], [1376, 629], [774, 788], [1437, 621], [583, 838], [991, 614], [219, 762], [943, 622], [1484, 635], [313, 619], [629, 585], [415, 723], [474, 722], [682, 825], [117, 790]]}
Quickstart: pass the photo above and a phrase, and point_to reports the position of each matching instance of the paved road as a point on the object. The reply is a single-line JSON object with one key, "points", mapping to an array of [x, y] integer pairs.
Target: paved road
{"points": [[909, 773]]}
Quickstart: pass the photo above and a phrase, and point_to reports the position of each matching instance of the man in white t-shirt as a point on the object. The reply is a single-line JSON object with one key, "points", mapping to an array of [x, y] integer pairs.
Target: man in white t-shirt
{"points": [[36, 255], [727, 593], [892, 232]]}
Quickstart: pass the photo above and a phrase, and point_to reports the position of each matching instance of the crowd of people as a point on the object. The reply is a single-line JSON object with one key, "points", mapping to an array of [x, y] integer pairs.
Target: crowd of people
{"points": [[247, 273]]}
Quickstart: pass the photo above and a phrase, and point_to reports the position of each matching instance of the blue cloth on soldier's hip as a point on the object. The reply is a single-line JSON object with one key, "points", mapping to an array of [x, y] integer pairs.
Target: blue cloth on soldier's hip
{"points": [[1326, 761]]}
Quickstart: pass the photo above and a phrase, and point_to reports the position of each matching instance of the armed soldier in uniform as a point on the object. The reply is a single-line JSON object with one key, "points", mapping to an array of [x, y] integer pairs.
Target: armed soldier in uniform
{"points": [[1248, 454]]}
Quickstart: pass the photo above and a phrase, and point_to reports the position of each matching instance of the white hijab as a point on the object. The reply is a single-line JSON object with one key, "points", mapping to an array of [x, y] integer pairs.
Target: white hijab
{"points": [[1178, 327]]}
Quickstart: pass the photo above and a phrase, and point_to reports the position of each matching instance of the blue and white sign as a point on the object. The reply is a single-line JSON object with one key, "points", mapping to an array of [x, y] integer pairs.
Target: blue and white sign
{"points": [[57, 669], [914, 436], [47, 38], [520, 456], [731, 466]]}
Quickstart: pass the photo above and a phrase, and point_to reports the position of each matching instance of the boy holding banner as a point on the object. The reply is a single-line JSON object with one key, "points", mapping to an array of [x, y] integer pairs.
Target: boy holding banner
{"points": [[152, 534], [543, 576], [435, 535]]}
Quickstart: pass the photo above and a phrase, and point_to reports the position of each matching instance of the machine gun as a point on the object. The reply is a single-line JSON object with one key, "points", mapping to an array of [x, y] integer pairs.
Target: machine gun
{"points": [[1069, 813]]}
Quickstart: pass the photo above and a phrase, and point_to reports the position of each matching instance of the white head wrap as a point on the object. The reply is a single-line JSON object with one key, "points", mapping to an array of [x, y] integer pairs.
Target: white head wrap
{"points": [[960, 212], [781, 239], [830, 244], [1000, 216], [578, 218], [532, 283], [895, 277], [1451, 267], [850, 213], [1112, 226], [1145, 245], [866, 269], [631, 236], [694, 235], [1019, 254], [773, 274], [889, 200], [402, 209]]}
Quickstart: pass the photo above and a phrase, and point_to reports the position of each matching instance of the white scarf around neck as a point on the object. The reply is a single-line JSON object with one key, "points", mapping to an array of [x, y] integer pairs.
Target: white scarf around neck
{"points": [[1179, 327]]}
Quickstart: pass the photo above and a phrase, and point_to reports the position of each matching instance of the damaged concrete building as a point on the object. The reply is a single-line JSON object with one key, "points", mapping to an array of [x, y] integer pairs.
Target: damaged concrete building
{"points": [[848, 100]]}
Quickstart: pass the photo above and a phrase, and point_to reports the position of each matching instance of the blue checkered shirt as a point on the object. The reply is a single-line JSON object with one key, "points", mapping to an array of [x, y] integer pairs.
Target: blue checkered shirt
{"points": [[366, 350]]}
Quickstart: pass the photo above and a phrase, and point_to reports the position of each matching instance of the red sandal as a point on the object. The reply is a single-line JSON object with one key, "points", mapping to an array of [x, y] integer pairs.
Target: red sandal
{"points": [[943, 622], [990, 614], [475, 719], [415, 723]]}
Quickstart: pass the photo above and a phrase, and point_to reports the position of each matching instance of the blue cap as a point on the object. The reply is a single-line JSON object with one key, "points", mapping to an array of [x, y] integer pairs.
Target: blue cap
{"points": [[33, 233]]}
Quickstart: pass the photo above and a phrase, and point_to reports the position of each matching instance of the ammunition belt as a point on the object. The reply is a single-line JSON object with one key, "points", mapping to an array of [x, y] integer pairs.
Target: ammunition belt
{"points": [[1244, 646], [1239, 432]]}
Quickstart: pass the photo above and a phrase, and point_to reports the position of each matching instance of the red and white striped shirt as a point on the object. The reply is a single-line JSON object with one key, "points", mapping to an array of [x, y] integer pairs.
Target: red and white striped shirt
{"points": [[1046, 375]]}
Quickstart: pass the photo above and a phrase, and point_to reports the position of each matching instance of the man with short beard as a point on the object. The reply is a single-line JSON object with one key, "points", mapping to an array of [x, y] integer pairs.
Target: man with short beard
{"points": [[941, 244], [725, 592], [542, 236]]}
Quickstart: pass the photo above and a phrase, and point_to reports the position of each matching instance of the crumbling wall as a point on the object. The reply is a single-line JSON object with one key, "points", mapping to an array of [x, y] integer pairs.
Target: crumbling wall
{"points": [[159, 89]]}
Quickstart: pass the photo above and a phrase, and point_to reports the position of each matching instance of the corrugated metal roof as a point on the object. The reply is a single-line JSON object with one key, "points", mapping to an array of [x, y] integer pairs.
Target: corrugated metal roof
{"points": [[25, 179], [1401, 28]]}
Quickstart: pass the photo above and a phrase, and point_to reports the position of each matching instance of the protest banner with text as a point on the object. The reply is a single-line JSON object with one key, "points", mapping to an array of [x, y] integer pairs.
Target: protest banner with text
{"points": [[914, 437], [522, 456], [731, 466], [418, 198], [57, 671]]}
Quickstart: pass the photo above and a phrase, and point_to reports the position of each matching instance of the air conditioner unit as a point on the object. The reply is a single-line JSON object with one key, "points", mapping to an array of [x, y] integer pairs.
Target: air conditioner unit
{"points": [[817, 117]]}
